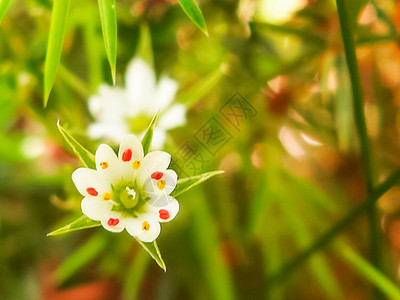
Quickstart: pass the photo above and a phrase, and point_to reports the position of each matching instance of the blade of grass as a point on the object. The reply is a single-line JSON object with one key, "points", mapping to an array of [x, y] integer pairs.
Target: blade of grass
{"points": [[4, 6], [58, 29], [365, 269], [135, 275], [192, 10], [148, 136], [81, 257], [359, 119], [108, 18]]}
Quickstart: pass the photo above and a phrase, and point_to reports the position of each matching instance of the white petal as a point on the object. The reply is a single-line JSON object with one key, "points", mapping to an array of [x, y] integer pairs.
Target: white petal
{"points": [[132, 143], [159, 137], [145, 227], [165, 93], [112, 217], [152, 232], [89, 183], [168, 212], [152, 185], [173, 117], [95, 208], [140, 84], [153, 161], [110, 104], [113, 131], [107, 163]]}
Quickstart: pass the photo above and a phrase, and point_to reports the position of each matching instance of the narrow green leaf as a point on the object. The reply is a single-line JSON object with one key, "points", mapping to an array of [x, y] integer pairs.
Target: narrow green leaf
{"points": [[81, 257], [186, 184], [108, 17], [82, 222], [148, 136], [135, 274], [368, 271], [192, 10], [154, 252], [81, 152], [144, 48], [55, 44], [4, 5]]}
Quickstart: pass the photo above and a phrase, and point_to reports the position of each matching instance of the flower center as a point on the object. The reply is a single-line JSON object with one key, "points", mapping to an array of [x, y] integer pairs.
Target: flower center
{"points": [[128, 198]]}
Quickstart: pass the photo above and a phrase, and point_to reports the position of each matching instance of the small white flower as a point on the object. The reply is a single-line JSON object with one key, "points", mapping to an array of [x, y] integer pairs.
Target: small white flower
{"points": [[131, 191], [119, 111]]}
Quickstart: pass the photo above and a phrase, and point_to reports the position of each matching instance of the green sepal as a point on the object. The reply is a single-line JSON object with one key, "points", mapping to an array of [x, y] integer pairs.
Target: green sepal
{"points": [[186, 184], [86, 157], [148, 136], [154, 252], [82, 222]]}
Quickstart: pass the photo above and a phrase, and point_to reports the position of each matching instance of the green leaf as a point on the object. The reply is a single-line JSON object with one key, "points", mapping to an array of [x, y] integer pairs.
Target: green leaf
{"points": [[154, 252], [148, 136], [58, 29], [82, 222], [81, 257], [108, 17], [4, 5], [191, 8], [368, 271], [186, 184], [81, 152]]}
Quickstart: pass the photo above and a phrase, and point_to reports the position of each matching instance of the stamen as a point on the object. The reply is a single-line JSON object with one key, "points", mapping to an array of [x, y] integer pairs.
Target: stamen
{"points": [[104, 165], [145, 226], [161, 184], [91, 191], [157, 175], [136, 164], [131, 192], [164, 214], [113, 222], [127, 155], [107, 196]]}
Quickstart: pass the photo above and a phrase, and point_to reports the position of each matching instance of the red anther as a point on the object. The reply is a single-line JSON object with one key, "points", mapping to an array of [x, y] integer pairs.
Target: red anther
{"points": [[91, 191], [157, 175], [127, 155], [164, 214], [112, 222]]}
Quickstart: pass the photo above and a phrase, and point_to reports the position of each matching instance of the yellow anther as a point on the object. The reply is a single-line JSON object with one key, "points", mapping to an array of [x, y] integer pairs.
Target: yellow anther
{"points": [[104, 165], [145, 226], [161, 184], [107, 196], [136, 164]]}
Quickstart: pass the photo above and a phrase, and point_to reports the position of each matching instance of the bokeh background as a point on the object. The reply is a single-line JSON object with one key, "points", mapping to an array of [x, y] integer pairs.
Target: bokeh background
{"points": [[290, 152]]}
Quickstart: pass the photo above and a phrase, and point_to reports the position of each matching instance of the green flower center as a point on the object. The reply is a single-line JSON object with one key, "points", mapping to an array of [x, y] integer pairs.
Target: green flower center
{"points": [[128, 198]]}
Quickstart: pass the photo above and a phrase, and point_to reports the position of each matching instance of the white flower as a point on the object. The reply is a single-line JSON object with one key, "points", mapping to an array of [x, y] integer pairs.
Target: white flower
{"points": [[130, 191], [119, 111]]}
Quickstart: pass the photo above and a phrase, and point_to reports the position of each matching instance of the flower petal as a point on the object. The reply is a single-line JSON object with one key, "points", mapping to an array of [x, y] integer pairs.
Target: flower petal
{"points": [[165, 93], [113, 131], [140, 84], [130, 149], [89, 183], [107, 163], [146, 227], [166, 208], [113, 222], [173, 117], [159, 138], [156, 161], [95, 208], [165, 183]]}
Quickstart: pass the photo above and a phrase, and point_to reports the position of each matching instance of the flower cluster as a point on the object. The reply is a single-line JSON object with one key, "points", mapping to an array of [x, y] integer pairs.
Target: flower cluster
{"points": [[131, 191], [118, 111]]}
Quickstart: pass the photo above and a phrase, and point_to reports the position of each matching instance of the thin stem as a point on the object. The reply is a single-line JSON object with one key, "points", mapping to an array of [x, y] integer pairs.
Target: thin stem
{"points": [[335, 230], [359, 118]]}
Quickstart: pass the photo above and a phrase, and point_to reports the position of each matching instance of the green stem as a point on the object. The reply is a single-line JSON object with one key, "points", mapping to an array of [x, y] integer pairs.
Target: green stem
{"points": [[335, 230], [359, 118]]}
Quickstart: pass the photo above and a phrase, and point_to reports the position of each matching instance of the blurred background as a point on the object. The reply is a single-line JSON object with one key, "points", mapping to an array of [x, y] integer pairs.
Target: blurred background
{"points": [[267, 98]]}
